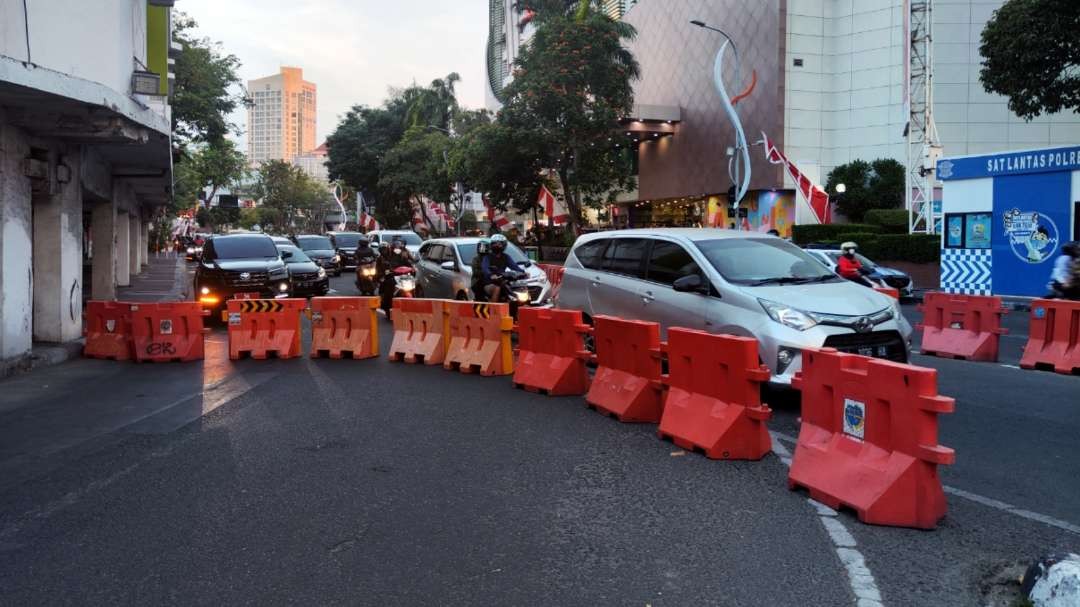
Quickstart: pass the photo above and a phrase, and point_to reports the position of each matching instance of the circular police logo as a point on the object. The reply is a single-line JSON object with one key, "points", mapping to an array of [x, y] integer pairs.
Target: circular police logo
{"points": [[854, 418], [1032, 236]]}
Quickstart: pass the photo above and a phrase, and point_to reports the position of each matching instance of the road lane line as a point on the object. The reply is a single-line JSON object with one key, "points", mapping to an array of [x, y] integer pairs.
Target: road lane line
{"points": [[1010, 366], [979, 499], [860, 579]]}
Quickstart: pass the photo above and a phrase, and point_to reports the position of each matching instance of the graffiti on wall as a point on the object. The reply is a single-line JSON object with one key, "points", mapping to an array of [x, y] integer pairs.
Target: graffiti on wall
{"points": [[761, 211]]}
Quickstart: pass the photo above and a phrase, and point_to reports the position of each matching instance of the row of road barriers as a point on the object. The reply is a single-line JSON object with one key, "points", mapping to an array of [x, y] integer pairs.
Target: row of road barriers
{"points": [[144, 332]]}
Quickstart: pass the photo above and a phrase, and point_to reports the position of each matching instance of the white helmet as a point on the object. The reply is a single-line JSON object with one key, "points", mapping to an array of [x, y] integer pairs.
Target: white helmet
{"points": [[849, 245]]}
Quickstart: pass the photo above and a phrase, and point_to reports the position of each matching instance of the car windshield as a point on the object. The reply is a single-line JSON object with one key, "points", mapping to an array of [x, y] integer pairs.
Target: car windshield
{"points": [[762, 261], [314, 243], [297, 254], [835, 257], [347, 241], [468, 252], [409, 238], [244, 247]]}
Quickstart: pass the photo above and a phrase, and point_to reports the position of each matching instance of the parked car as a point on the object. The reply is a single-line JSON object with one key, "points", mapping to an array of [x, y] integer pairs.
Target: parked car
{"points": [[321, 251], [344, 244], [239, 263], [829, 254], [444, 270], [739, 283], [306, 278], [411, 239]]}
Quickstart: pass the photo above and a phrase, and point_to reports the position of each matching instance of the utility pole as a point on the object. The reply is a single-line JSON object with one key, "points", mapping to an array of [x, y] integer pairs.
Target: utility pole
{"points": [[923, 146]]}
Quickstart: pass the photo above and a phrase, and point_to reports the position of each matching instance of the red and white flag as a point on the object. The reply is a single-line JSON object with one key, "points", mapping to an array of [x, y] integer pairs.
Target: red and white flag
{"points": [[816, 196], [367, 222], [497, 218], [547, 201]]}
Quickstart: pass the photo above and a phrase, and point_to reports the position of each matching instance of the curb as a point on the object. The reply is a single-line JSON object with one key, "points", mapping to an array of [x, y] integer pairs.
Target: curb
{"points": [[43, 355]]}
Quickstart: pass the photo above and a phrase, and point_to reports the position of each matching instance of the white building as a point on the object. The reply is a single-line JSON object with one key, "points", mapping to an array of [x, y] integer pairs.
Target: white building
{"points": [[314, 164], [84, 159]]}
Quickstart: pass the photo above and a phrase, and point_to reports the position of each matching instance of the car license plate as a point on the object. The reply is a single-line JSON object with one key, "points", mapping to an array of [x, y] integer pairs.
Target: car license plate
{"points": [[247, 295], [873, 351]]}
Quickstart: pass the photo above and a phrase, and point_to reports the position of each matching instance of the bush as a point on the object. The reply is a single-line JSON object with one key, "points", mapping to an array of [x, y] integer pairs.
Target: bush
{"points": [[916, 248], [892, 221], [828, 232]]}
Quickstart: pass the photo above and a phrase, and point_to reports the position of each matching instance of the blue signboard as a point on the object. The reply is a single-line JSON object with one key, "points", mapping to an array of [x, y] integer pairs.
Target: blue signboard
{"points": [[1012, 163], [1030, 223]]}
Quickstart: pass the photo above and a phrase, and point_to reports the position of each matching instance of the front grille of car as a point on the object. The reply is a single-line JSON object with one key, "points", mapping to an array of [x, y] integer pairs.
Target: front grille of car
{"points": [[897, 282], [879, 344], [534, 292], [305, 276], [255, 279]]}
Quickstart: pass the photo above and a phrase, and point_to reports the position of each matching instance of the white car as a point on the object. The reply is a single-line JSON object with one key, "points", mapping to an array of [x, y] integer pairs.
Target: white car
{"points": [[891, 277], [444, 270], [411, 239]]}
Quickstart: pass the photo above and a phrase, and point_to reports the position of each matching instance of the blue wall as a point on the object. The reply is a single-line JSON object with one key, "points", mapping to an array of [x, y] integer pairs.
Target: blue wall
{"points": [[1031, 220]]}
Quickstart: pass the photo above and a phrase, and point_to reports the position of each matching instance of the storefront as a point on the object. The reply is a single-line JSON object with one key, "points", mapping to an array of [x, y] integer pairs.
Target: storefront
{"points": [[1005, 217], [760, 211]]}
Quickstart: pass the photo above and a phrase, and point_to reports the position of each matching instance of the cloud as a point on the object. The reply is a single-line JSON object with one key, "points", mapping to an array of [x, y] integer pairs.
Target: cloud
{"points": [[353, 50]]}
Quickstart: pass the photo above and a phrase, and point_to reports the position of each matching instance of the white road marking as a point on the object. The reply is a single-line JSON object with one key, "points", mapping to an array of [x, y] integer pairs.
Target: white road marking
{"points": [[1010, 366], [974, 497], [860, 579]]}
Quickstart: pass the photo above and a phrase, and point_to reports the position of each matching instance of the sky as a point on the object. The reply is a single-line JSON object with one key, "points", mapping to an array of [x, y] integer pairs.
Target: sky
{"points": [[353, 50]]}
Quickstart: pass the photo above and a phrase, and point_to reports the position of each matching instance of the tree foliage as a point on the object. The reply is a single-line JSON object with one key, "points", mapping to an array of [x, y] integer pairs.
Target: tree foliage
{"points": [[292, 202], [868, 185], [415, 169], [503, 162], [209, 168], [207, 87], [1031, 52]]}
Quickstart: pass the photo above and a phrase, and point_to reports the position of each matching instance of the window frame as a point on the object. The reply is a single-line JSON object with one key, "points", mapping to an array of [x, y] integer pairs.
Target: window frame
{"points": [[648, 258], [641, 262], [604, 242]]}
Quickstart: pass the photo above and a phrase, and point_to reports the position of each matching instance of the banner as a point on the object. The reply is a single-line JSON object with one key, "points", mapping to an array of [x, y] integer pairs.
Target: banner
{"points": [[816, 196]]}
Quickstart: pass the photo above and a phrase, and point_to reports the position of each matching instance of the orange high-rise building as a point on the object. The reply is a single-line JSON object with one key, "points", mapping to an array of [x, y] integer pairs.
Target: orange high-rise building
{"points": [[281, 123]]}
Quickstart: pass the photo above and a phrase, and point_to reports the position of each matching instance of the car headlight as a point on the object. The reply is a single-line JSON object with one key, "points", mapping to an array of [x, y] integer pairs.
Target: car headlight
{"points": [[283, 287], [190, 250], [205, 290], [788, 316], [337, 259], [322, 273], [523, 296]]}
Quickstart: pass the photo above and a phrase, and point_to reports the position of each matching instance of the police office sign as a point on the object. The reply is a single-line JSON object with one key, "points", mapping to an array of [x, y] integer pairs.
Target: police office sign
{"points": [[1011, 163]]}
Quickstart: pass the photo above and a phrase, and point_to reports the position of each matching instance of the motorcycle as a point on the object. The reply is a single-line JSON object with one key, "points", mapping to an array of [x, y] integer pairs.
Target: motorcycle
{"points": [[365, 275], [512, 289], [399, 282]]}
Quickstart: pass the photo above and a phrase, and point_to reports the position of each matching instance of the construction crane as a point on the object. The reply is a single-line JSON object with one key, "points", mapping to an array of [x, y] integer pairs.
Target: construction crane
{"points": [[923, 145]]}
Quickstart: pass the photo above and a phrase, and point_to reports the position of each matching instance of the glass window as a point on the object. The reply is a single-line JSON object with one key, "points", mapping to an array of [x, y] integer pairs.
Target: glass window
{"points": [[243, 247], [589, 253], [954, 230], [761, 261], [468, 252], [977, 231], [669, 262], [313, 243], [435, 253], [297, 254], [346, 240], [624, 256]]}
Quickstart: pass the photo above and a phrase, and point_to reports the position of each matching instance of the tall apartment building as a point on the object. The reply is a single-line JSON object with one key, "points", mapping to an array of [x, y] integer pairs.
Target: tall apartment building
{"points": [[281, 123]]}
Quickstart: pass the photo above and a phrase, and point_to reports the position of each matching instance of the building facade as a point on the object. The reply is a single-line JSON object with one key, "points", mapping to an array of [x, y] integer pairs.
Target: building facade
{"points": [[314, 164], [281, 122], [85, 158]]}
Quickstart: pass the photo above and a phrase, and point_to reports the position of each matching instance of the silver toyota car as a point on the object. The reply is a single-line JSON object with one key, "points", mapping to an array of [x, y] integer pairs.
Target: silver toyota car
{"points": [[445, 270], [739, 283]]}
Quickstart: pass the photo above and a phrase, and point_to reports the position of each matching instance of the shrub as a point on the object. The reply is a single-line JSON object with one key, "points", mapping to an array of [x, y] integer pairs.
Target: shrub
{"points": [[916, 248], [828, 232], [892, 221]]}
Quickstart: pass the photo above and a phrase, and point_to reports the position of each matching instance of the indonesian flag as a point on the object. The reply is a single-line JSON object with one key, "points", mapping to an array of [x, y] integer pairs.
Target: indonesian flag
{"points": [[546, 200], [368, 222], [815, 195], [418, 220], [497, 218], [438, 215]]}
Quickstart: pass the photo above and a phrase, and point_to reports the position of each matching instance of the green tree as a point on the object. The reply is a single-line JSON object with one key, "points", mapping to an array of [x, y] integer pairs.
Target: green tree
{"points": [[1031, 53], [207, 87], [414, 169], [868, 185], [502, 161], [572, 84], [292, 202], [208, 168]]}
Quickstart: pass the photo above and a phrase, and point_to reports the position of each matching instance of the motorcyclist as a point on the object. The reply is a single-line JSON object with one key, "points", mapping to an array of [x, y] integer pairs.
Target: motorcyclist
{"points": [[364, 253], [483, 247], [494, 264], [848, 266], [391, 256]]}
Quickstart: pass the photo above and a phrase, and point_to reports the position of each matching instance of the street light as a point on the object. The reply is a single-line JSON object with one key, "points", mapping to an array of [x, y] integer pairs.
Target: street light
{"points": [[841, 188]]}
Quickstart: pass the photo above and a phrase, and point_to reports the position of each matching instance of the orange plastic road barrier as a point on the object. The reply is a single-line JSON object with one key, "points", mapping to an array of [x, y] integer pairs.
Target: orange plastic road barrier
{"points": [[1054, 336], [164, 332], [961, 326], [420, 331], [551, 352], [344, 326], [261, 327], [479, 338], [108, 330], [627, 381], [890, 291], [713, 401], [869, 438]]}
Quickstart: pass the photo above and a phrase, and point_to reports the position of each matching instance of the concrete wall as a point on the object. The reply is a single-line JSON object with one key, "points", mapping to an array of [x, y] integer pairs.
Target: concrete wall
{"points": [[57, 256], [16, 272]]}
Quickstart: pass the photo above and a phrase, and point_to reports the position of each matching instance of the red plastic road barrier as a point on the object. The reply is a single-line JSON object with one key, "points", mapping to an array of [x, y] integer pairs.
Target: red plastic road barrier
{"points": [[260, 327], [420, 331], [627, 381], [344, 326], [551, 352], [1054, 336], [108, 330], [479, 338], [890, 291], [869, 438], [713, 401], [554, 275], [164, 332], [961, 326]]}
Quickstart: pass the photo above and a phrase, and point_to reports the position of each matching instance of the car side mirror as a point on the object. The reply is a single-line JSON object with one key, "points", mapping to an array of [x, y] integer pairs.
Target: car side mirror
{"points": [[448, 265], [690, 284], [286, 254]]}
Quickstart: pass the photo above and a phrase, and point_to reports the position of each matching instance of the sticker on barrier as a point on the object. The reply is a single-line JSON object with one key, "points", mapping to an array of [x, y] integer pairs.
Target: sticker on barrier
{"points": [[1053, 337], [261, 328], [628, 364], [713, 402], [479, 338], [344, 327], [961, 326], [551, 352], [108, 330], [869, 438], [420, 331], [164, 332]]}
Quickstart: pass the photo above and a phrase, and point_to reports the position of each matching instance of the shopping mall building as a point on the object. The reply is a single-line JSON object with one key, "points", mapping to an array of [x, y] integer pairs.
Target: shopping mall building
{"points": [[832, 86]]}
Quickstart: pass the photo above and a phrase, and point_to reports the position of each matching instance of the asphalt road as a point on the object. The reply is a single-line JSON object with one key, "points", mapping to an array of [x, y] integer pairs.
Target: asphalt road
{"points": [[376, 483]]}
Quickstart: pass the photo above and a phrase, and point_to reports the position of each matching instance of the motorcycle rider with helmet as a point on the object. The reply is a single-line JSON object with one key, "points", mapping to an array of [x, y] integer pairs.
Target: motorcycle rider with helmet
{"points": [[483, 247], [391, 256], [494, 264]]}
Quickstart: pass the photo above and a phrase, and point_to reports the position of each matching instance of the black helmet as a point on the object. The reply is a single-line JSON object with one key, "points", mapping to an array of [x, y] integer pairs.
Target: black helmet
{"points": [[362, 242]]}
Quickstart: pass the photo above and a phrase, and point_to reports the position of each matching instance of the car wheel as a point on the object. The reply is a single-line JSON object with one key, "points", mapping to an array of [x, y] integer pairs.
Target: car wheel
{"points": [[461, 296]]}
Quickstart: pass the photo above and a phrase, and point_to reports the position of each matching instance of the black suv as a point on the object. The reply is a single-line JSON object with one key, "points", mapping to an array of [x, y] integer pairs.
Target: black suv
{"points": [[239, 263], [321, 251], [345, 245]]}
